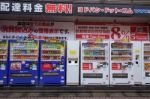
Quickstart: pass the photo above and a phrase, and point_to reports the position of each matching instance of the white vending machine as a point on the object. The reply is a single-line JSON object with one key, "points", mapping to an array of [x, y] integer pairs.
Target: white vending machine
{"points": [[125, 63], [94, 63], [146, 63], [73, 62]]}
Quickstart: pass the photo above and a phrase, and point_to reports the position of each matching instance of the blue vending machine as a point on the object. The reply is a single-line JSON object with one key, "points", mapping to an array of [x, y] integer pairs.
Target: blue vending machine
{"points": [[23, 66], [52, 64], [3, 62]]}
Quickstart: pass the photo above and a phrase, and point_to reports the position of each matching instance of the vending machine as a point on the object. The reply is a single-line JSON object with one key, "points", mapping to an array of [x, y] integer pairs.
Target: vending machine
{"points": [[73, 62], [52, 62], [94, 63], [125, 63], [146, 63], [23, 67], [3, 61]]}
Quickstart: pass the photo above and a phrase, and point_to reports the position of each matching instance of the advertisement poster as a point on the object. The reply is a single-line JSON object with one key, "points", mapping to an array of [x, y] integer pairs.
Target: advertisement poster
{"points": [[139, 33], [115, 32], [36, 29]]}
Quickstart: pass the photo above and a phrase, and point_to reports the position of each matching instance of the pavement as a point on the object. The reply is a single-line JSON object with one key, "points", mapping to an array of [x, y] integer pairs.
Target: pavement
{"points": [[76, 92]]}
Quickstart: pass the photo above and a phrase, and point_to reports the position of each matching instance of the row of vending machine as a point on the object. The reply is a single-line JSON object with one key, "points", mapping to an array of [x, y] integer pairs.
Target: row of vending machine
{"points": [[60, 62]]}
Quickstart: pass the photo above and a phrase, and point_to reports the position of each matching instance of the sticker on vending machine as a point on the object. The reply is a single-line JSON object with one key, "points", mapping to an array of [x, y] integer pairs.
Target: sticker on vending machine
{"points": [[147, 66], [15, 66], [87, 66], [2, 67], [72, 52], [116, 66], [46, 66]]}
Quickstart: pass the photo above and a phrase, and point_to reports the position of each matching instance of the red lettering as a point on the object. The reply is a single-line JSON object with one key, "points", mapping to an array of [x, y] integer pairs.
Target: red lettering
{"points": [[50, 8]]}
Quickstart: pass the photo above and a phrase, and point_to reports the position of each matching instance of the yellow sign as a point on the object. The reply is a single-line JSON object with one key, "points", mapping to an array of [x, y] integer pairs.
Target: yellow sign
{"points": [[72, 52]]}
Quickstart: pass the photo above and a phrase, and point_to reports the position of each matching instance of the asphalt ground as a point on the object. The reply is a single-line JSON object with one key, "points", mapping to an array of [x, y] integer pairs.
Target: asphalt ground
{"points": [[75, 92]]}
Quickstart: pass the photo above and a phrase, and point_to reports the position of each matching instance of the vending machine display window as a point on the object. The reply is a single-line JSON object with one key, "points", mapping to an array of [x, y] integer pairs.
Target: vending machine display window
{"points": [[52, 63], [146, 63], [3, 62], [125, 63], [24, 62], [94, 63]]}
